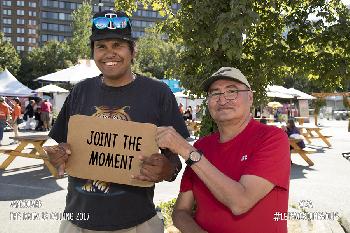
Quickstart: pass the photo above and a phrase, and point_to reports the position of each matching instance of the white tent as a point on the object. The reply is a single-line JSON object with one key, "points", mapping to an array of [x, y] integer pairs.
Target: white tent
{"points": [[300, 95], [284, 93], [73, 74], [10, 86], [50, 89]]}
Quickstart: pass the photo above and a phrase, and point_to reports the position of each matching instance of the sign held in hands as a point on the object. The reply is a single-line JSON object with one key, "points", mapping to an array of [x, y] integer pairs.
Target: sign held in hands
{"points": [[107, 149]]}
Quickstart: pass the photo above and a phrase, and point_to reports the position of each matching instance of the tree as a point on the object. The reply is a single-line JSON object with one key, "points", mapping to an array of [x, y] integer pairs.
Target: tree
{"points": [[9, 57], [267, 40], [81, 28], [154, 55], [51, 57]]}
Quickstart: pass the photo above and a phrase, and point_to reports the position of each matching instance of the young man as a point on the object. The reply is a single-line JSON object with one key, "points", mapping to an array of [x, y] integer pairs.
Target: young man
{"points": [[239, 176], [118, 94]]}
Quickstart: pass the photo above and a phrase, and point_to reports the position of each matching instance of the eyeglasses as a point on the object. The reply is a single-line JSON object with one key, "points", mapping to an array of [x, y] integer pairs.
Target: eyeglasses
{"points": [[228, 95], [111, 23]]}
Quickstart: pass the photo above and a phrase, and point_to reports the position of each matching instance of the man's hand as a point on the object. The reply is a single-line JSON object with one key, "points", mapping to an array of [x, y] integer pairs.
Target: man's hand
{"points": [[155, 168], [58, 156], [167, 137]]}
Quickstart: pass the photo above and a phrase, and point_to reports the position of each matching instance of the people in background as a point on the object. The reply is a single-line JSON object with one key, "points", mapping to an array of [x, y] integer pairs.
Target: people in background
{"points": [[45, 115], [181, 108], [4, 115], [16, 115], [29, 115], [293, 131], [188, 113]]}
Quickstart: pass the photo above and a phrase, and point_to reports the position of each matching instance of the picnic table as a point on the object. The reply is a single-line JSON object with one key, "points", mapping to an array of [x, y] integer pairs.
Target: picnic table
{"points": [[36, 153], [302, 152], [301, 120], [268, 119], [313, 132]]}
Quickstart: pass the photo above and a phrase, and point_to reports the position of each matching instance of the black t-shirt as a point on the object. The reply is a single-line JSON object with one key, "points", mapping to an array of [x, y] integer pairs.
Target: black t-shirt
{"points": [[113, 206]]}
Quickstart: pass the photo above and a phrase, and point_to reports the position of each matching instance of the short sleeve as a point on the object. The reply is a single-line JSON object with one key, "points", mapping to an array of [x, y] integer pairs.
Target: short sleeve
{"points": [[59, 130], [271, 160], [187, 180]]}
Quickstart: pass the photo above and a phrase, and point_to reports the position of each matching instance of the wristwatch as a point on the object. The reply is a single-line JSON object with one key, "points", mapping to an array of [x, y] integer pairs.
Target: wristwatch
{"points": [[194, 157]]}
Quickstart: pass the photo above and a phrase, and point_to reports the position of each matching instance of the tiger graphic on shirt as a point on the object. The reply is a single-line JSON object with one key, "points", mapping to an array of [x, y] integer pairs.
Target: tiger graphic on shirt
{"points": [[98, 186]]}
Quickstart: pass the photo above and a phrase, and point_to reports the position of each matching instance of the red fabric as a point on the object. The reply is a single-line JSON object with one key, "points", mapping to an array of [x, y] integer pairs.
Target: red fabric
{"points": [[4, 111], [46, 106], [259, 150], [16, 111]]}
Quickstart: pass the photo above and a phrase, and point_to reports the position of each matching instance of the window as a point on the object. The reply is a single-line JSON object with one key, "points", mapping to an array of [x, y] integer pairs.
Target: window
{"points": [[7, 12], [32, 13], [6, 21], [32, 4], [7, 30], [8, 39], [20, 30], [20, 48], [61, 16], [32, 40], [32, 22], [30, 48], [31, 31], [6, 3], [44, 26], [20, 3], [20, 12], [20, 39], [43, 37], [20, 21]]}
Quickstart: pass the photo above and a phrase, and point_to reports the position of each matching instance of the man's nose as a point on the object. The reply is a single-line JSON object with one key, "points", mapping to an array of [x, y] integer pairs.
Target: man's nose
{"points": [[222, 100]]}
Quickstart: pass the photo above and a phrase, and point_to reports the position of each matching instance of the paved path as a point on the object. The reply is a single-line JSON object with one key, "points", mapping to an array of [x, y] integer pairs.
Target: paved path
{"points": [[326, 185]]}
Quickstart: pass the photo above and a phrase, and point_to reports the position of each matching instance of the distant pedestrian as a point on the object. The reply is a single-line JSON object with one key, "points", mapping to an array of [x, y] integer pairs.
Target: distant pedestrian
{"points": [[29, 115], [16, 115], [4, 114], [45, 115]]}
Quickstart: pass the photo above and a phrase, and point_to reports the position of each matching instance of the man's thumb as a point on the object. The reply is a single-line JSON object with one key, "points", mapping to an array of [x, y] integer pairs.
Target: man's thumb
{"points": [[61, 169]]}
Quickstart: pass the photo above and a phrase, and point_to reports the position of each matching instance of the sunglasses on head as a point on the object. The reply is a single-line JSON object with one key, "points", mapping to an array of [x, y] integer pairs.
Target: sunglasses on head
{"points": [[111, 23]]}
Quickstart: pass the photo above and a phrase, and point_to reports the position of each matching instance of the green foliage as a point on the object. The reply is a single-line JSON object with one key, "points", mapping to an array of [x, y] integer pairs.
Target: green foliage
{"points": [[9, 57], [267, 40], [207, 124], [53, 56], [154, 55], [81, 27], [167, 210]]}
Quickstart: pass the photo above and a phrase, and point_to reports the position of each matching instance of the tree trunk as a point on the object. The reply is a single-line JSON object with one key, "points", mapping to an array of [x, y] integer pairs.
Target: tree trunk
{"points": [[349, 125], [316, 116]]}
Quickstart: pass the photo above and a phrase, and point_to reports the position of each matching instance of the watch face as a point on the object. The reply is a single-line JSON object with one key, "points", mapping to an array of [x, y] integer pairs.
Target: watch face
{"points": [[195, 156]]}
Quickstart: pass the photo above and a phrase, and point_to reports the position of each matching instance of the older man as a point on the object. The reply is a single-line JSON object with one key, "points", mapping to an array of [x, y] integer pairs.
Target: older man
{"points": [[237, 178]]}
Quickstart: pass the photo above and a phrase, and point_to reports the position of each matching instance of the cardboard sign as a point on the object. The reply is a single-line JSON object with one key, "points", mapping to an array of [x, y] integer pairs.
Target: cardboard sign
{"points": [[108, 149]]}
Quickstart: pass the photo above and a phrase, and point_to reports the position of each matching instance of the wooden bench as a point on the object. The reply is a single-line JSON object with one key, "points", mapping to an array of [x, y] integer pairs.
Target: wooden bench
{"points": [[308, 133], [302, 152], [35, 152]]}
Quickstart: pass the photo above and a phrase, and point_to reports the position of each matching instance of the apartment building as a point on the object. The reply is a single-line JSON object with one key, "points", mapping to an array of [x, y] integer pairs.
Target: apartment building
{"points": [[30, 23]]}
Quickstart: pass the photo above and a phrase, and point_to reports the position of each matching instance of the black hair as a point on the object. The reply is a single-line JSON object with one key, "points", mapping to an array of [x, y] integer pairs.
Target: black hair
{"points": [[291, 123]]}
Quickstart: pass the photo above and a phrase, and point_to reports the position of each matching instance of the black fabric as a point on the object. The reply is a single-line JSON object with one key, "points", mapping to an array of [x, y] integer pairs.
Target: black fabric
{"points": [[29, 111], [143, 100]]}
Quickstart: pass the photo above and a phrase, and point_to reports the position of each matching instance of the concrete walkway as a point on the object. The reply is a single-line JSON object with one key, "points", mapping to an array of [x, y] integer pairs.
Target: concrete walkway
{"points": [[324, 187]]}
